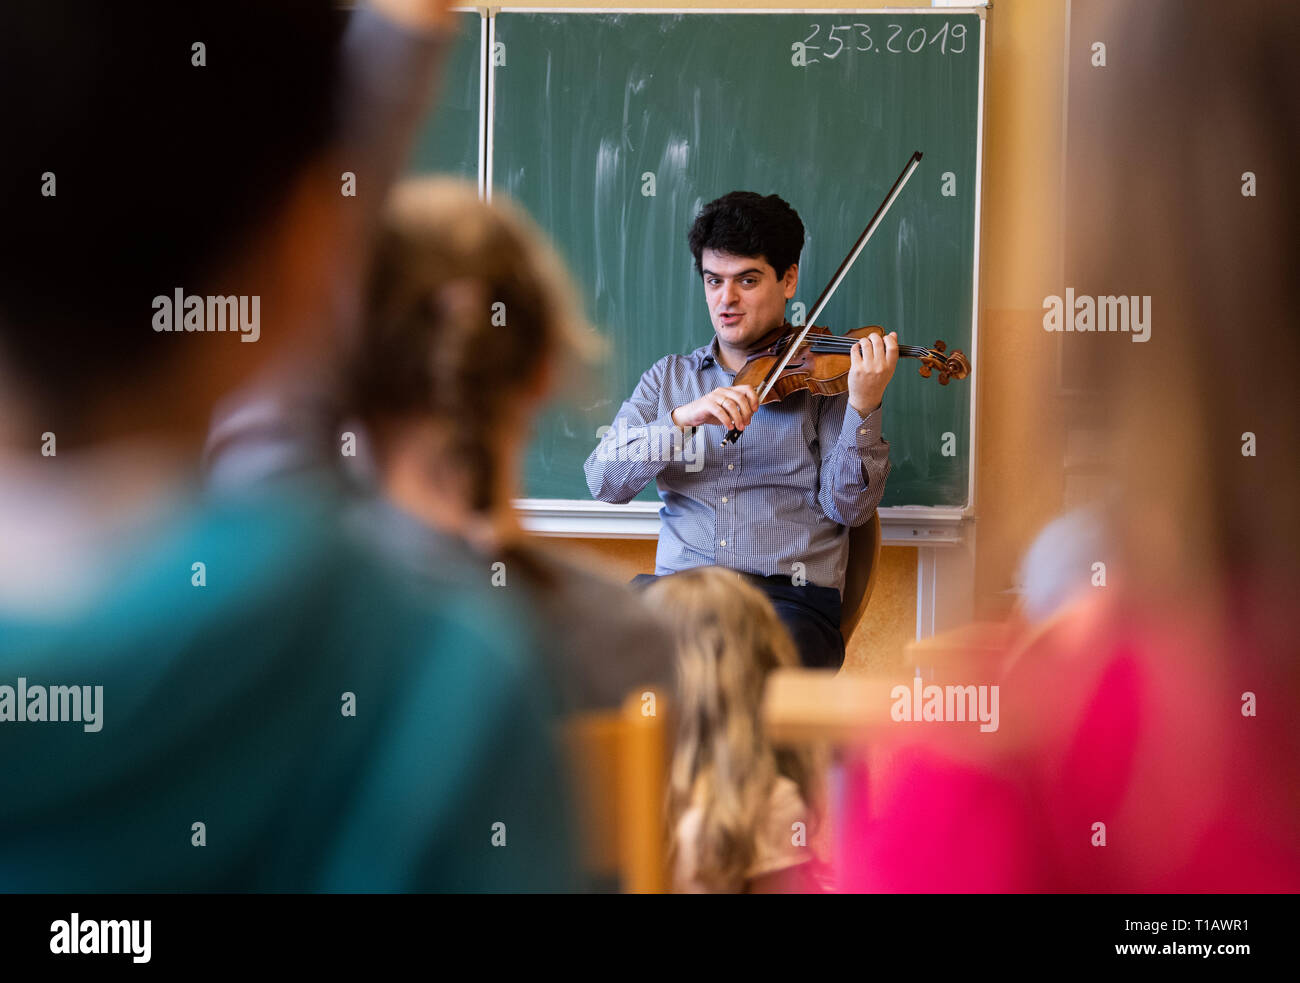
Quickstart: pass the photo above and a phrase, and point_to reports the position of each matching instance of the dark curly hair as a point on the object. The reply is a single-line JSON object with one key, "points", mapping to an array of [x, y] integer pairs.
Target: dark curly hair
{"points": [[743, 223]]}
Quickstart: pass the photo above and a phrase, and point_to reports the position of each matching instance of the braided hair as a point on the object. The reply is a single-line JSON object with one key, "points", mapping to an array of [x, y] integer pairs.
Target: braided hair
{"points": [[464, 306]]}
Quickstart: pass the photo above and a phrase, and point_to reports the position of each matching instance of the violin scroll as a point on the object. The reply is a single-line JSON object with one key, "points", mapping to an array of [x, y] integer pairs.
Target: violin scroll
{"points": [[949, 364]]}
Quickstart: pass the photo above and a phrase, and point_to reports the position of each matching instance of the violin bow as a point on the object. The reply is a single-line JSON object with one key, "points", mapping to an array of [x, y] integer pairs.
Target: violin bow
{"points": [[825, 297]]}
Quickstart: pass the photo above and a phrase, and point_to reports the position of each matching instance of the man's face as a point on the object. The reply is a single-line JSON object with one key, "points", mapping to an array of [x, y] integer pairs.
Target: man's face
{"points": [[746, 300]]}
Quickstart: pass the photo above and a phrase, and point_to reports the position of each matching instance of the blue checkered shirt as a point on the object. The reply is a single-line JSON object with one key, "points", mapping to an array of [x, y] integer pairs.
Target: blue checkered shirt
{"points": [[805, 469]]}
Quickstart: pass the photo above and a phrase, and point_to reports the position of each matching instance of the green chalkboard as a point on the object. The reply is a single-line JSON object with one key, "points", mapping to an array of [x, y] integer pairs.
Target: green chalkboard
{"points": [[587, 104], [448, 143]]}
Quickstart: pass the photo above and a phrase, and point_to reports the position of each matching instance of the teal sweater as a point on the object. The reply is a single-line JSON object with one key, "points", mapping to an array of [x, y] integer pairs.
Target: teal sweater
{"points": [[224, 705]]}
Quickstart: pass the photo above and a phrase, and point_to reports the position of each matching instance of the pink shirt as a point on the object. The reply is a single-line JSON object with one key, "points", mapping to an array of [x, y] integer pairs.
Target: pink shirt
{"points": [[1108, 719]]}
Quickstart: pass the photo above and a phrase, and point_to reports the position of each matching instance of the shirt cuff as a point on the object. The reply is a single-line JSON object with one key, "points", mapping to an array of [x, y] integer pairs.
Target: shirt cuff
{"points": [[862, 431]]}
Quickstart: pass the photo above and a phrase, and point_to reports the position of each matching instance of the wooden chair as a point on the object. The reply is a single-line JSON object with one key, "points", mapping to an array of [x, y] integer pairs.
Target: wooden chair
{"points": [[619, 767], [860, 576]]}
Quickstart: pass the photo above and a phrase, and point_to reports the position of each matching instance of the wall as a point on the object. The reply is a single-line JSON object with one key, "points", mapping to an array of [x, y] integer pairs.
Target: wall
{"points": [[1019, 430]]}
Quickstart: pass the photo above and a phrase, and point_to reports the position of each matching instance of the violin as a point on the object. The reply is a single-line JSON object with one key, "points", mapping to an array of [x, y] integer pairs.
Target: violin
{"points": [[821, 362], [816, 359]]}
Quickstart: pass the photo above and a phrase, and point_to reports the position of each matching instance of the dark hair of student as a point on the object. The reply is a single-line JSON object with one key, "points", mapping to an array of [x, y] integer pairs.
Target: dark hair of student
{"points": [[162, 167], [743, 223]]}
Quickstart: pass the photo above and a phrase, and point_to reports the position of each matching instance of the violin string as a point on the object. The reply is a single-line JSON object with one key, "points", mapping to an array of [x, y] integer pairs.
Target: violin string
{"points": [[845, 344], [912, 350], [842, 343], [849, 343]]}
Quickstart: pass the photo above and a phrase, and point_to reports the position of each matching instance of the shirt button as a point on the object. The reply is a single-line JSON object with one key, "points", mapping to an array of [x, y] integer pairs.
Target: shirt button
{"points": [[723, 543], [731, 467], [724, 499], [863, 432]]}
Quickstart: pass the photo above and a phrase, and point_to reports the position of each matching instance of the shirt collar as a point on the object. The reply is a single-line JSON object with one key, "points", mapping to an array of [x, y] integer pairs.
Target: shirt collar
{"points": [[709, 355]]}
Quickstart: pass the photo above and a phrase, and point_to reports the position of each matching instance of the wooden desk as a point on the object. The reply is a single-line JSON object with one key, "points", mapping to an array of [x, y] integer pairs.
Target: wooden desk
{"points": [[817, 706], [979, 648]]}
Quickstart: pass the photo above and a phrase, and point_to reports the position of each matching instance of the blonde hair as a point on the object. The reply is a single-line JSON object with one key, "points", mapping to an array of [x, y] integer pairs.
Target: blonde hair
{"points": [[446, 267], [729, 640]]}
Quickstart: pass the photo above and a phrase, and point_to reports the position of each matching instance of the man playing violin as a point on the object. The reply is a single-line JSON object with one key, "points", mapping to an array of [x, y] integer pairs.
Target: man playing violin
{"points": [[776, 505]]}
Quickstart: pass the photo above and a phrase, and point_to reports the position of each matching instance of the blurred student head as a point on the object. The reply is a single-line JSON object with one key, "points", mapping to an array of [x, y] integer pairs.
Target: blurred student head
{"points": [[469, 319], [151, 147], [729, 640], [1135, 710], [1187, 193]]}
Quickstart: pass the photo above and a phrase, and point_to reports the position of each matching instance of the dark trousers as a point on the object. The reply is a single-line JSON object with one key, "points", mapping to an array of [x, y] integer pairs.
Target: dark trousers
{"points": [[811, 614]]}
